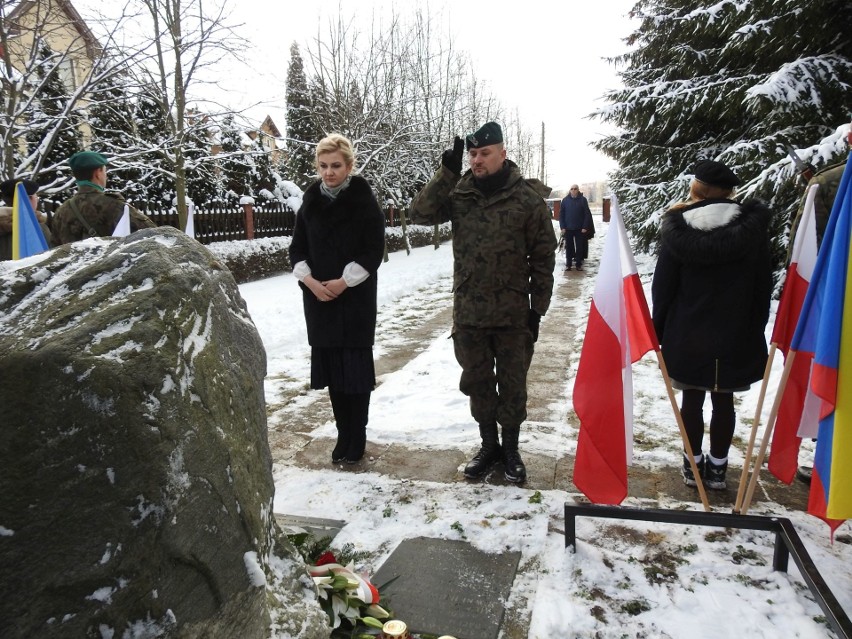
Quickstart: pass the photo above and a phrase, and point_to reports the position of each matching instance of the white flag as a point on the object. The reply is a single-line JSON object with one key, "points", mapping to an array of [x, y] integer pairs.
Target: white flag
{"points": [[190, 224], [122, 229]]}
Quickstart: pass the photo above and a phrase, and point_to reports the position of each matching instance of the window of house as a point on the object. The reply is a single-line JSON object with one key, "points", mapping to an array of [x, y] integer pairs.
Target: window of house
{"points": [[65, 69]]}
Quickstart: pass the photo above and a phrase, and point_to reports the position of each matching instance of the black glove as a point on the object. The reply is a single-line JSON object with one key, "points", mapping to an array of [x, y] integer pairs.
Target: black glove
{"points": [[452, 158], [533, 322]]}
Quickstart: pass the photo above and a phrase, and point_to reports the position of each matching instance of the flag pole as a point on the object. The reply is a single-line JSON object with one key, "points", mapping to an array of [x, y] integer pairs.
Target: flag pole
{"points": [[699, 484], [750, 449], [770, 424]]}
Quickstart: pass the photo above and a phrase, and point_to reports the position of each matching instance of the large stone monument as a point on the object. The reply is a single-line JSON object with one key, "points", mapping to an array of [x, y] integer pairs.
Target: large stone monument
{"points": [[135, 473]]}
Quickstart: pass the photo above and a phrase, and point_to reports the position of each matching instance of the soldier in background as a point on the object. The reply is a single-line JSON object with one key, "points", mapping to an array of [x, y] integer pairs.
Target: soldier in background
{"points": [[92, 212], [504, 252]]}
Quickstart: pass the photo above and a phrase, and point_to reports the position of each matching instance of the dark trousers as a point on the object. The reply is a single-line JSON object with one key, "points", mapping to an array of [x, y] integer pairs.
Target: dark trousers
{"points": [[722, 421], [576, 247], [494, 366]]}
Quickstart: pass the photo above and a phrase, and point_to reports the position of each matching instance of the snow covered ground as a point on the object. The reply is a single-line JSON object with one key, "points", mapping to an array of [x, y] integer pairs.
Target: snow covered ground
{"points": [[626, 579]]}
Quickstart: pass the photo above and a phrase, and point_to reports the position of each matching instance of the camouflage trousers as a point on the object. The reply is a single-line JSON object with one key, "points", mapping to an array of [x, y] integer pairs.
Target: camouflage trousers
{"points": [[494, 372]]}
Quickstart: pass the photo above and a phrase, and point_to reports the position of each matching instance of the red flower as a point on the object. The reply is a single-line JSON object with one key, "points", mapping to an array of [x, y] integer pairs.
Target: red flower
{"points": [[326, 558]]}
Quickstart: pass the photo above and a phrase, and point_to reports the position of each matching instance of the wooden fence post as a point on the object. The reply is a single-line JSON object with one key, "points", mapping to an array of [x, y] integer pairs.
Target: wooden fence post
{"points": [[248, 207]]}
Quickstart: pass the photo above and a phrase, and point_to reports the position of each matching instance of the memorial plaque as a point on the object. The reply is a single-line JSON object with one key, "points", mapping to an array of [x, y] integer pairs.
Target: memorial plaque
{"points": [[316, 527], [447, 587]]}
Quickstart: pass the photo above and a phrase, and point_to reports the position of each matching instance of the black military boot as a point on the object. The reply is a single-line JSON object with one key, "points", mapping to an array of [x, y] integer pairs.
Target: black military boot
{"points": [[513, 465], [487, 455]]}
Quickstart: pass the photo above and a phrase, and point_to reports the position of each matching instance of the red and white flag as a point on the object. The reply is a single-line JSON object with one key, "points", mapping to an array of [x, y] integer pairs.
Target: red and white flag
{"points": [[618, 333], [798, 413]]}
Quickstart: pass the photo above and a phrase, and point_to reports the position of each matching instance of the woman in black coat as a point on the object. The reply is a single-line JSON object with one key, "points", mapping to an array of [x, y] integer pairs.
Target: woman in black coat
{"points": [[710, 293], [337, 247]]}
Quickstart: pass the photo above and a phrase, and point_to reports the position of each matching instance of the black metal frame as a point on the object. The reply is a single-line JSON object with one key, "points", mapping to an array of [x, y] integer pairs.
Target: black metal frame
{"points": [[787, 542]]}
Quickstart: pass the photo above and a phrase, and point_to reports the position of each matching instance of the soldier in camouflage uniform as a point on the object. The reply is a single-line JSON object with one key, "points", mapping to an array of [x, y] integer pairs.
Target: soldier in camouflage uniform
{"points": [[504, 251], [92, 212]]}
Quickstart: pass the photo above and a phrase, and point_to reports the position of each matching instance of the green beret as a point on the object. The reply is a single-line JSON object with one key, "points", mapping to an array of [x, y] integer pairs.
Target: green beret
{"points": [[87, 160], [490, 133]]}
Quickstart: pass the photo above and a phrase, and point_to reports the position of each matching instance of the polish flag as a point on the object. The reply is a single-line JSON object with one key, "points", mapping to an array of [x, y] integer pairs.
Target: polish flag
{"points": [[618, 333], [798, 413]]}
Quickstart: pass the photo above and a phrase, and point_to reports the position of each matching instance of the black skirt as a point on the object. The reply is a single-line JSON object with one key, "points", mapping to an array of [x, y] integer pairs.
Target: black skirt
{"points": [[347, 370]]}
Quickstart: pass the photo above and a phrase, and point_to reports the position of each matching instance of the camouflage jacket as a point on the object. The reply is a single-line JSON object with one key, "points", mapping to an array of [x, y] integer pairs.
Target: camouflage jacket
{"points": [[504, 246], [100, 210]]}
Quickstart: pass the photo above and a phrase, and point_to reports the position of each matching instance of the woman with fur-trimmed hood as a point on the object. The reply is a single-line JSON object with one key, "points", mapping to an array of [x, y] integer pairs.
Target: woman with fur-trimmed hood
{"points": [[710, 294]]}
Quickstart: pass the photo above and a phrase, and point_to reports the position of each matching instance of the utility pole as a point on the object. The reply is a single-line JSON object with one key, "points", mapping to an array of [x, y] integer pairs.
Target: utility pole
{"points": [[542, 153]]}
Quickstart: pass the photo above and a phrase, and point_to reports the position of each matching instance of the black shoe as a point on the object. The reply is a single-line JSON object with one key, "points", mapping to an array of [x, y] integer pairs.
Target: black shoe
{"points": [[803, 474], [515, 471], [579, 268], [483, 460], [714, 476], [341, 447], [686, 471], [339, 452], [567, 268], [357, 444]]}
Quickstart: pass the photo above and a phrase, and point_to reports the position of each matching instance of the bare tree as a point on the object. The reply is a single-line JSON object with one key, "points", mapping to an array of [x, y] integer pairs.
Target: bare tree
{"points": [[401, 91], [189, 37], [45, 44]]}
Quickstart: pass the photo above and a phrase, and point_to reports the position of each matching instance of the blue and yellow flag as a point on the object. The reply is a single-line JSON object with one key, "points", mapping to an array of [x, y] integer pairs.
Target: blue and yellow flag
{"points": [[825, 329], [27, 238]]}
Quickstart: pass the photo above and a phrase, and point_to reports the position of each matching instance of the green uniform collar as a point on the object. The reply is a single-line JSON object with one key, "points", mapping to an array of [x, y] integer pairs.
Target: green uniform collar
{"points": [[92, 184]]}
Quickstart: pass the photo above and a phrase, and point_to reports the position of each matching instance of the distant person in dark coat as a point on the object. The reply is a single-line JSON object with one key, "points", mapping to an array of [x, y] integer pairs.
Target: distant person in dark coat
{"points": [[92, 212], [710, 294], [338, 245], [7, 191], [575, 223]]}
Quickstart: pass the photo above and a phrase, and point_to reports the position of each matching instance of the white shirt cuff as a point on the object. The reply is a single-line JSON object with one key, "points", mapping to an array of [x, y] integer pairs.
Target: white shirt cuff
{"points": [[301, 270], [354, 274]]}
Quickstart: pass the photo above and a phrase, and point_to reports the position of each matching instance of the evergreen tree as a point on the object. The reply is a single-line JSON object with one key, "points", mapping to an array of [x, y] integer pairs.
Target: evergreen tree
{"points": [[201, 183], [114, 134], [234, 166], [736, 82], [50, 135], [156, 166], [302, 132]]}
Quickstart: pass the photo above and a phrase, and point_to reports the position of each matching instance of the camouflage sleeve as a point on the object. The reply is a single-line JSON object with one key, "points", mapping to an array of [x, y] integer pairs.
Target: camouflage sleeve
{"points": [[139, 220], [541, 247], [432, 204]]}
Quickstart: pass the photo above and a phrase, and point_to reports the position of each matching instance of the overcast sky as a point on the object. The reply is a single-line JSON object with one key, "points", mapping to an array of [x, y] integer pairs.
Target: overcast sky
{"points": [[543, 57]]}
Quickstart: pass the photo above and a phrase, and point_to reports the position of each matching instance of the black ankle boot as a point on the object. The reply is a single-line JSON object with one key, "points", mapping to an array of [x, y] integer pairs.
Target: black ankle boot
{"points": [[513, 465], [342, 445], [488, 454], [357, 444]]}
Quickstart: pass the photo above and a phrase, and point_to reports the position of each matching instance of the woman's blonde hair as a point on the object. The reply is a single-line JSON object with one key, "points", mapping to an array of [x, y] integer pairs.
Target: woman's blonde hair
{"points": [[699, 190], [336, 142]]}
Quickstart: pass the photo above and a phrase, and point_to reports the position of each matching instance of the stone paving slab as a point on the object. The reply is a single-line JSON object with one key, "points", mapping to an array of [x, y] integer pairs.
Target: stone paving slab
{"points": [[447, 587]]}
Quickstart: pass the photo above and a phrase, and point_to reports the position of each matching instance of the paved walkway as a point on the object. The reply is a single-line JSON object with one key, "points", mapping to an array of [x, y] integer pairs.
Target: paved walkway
{"points": [[292, 443]]}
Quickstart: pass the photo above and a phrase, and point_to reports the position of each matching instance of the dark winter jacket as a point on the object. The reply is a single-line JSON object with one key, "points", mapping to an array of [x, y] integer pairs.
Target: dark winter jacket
{"points": [[504, 247], [101, 212], [711, 293], [329, 234], [574, 214]]}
